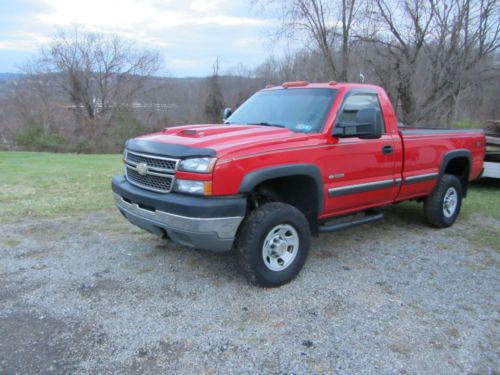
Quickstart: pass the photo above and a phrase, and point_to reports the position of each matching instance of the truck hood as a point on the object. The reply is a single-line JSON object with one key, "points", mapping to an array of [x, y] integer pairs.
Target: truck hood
{"points": [[215, 140]]}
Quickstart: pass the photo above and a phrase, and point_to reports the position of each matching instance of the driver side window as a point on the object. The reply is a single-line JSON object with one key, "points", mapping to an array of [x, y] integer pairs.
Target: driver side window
{"points": [[356, 102]]}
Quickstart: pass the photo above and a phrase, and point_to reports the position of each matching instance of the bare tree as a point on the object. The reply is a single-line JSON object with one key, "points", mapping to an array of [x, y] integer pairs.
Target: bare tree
{"points": [[435, 49], [349, 9], [98, 74], [318, 24], [242, 84], [214, 102]]}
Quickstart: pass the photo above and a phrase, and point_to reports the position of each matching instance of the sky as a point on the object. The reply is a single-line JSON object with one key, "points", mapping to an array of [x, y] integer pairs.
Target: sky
{"points": [[189, 35]]}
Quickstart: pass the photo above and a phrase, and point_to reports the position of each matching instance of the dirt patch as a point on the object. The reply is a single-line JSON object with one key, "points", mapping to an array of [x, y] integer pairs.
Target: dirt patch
{"points": [[34, 343]]}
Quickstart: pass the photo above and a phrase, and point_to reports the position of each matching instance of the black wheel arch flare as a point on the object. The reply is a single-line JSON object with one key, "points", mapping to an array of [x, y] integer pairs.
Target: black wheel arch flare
{"points": [[256, 177], [455, 154]]}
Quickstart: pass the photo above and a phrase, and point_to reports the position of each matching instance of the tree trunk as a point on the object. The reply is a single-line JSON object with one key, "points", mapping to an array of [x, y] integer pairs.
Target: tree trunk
{"points": [[345, 40], [407, 103], [345, 58]]}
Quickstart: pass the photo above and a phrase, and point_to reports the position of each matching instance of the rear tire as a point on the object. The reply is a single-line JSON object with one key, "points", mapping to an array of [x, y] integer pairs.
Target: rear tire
{"points": [[273, 244], [442, 207]]}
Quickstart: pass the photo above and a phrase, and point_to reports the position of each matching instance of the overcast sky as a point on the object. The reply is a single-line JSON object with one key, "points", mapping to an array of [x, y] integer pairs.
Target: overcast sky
{"points": [[188, 34]]}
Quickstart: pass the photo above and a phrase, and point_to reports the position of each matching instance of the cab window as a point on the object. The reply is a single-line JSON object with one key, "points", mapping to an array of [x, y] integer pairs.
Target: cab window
{"points": [[354, 103]]}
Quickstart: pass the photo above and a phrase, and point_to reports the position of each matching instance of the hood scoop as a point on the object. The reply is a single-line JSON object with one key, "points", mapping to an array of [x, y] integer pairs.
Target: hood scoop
{"points": [[190, 133], [199, 131]]}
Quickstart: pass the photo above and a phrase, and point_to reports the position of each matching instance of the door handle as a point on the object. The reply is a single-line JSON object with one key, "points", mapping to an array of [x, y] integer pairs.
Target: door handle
{"points": [[387, 149]]}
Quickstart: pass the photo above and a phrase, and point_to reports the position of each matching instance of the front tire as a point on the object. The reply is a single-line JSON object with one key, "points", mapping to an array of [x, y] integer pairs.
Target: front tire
{"points": [[273, 244], [442, 207]]}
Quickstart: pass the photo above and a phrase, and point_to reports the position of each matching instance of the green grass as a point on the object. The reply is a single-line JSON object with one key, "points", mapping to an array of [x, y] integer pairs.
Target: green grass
{"points": [[11, 243], [47, 184], [484, 198]]}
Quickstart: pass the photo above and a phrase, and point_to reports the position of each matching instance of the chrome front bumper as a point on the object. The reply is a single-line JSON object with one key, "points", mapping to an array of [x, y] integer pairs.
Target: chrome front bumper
{"points": [[216, 234]]}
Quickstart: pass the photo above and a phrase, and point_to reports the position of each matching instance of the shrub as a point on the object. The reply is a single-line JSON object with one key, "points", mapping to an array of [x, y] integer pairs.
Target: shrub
{"points": [[33, 138], [125, 126]]}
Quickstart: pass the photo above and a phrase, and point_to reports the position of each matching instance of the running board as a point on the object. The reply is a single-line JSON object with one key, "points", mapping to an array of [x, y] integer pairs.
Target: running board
{"points": [[336, 227]]}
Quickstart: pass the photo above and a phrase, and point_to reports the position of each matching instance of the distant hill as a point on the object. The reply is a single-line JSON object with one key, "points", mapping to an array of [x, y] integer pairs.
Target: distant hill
{"points": [[9, 76]]}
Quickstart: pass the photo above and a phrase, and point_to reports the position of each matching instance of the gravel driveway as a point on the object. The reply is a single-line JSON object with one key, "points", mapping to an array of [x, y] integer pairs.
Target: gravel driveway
{"points": [[94, 294]]}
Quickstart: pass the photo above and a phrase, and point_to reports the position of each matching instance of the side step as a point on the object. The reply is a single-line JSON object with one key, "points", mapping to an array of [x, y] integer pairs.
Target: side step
{"points": [[370, 216]]}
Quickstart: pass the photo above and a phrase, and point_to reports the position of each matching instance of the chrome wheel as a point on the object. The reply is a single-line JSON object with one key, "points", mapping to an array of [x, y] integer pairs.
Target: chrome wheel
{"points": [[280, 247], [450, 202]]}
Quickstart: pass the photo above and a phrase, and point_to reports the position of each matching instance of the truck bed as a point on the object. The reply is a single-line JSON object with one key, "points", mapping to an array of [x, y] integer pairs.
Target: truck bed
{"points": [[426, 148]]}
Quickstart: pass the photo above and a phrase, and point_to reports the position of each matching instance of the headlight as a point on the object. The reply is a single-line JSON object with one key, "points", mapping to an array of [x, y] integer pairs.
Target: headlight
{"points": [[203, 165], [193, 187]]}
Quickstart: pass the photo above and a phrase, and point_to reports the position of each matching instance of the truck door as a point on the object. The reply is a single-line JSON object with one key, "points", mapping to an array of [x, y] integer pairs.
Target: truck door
{"points": [[361, 172]]}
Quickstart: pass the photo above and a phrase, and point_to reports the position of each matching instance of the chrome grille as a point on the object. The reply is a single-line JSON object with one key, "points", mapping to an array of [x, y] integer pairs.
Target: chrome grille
{"points": [[157, 183], [153, 162], [157, 173]]}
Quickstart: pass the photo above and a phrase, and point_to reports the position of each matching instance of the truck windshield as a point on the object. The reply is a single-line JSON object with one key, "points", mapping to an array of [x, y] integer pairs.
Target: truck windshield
{"points": [[300, 110]]}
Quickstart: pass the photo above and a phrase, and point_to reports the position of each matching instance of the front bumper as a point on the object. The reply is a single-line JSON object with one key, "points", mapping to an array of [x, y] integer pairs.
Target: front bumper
{"points": [[208, 223]]}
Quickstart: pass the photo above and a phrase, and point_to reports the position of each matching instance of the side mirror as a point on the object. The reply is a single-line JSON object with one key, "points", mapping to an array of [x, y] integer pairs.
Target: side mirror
{"points": [[368, 125], [225, 115]]}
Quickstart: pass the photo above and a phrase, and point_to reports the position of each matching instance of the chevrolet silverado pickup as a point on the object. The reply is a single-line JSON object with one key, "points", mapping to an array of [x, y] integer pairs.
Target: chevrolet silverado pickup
{"points": [[291, 162]]}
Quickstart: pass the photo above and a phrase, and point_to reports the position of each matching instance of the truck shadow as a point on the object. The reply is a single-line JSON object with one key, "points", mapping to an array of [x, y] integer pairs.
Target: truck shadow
{"points": [[410, 213], [486, 183]]}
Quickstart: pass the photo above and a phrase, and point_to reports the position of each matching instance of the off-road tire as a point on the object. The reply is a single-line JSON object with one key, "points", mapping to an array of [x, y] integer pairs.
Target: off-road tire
{"points": [[434, 205], [253, 233]]}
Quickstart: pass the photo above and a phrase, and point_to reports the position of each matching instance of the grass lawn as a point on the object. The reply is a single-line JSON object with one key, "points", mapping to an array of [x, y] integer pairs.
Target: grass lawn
{"points": [[484, 197], [47, 184]]}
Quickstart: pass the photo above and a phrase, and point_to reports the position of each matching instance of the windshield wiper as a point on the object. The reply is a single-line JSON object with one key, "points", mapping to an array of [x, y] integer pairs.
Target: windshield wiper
{"points": [[267, 124]]}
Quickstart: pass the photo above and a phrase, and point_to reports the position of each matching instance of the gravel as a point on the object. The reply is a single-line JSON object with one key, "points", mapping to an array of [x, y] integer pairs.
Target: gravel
{"points": [[93, 294]]}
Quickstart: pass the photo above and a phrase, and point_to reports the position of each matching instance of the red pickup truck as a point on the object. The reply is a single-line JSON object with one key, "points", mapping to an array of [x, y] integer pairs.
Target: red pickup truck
{"points": [[287, 164]]}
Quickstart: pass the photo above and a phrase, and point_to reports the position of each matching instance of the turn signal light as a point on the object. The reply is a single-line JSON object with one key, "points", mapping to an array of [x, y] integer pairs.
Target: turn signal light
{"points": [[207, 188]]}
